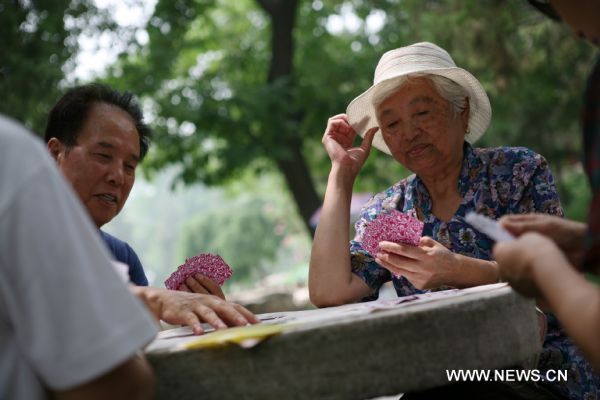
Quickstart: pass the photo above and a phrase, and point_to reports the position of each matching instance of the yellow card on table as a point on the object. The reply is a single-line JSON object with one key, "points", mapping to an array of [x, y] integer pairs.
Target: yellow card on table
{"points": [[244, 336]]}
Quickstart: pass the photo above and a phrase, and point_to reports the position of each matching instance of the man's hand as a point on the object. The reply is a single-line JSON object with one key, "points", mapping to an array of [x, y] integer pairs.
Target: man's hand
{"points": [[521, 261], [192, 309], [567, 234], [201, 284]]}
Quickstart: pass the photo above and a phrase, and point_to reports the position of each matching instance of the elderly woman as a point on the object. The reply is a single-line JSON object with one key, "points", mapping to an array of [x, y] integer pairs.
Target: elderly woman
{"points": [[426, 113]]}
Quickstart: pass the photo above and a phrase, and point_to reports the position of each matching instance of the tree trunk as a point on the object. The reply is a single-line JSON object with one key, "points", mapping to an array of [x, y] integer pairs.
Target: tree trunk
{"points": [[293, 165], [297, 176]]}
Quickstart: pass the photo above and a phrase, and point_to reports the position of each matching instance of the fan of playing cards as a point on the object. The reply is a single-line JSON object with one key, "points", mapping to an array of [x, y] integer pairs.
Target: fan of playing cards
{"points": [[392, 226], [209, 265]]}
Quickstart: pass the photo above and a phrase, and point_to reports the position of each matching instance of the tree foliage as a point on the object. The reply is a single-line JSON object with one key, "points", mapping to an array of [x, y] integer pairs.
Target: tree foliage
{"points": [[243, 236], [247, 85], [221, 106], [37, 46]]}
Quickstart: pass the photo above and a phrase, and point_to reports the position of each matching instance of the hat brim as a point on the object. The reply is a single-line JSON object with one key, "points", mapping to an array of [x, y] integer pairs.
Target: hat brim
{"points": [[362, 115]]}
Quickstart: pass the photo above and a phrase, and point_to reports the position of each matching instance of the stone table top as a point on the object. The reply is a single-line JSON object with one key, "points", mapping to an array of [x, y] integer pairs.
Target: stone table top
{"points": [[356, 351]]}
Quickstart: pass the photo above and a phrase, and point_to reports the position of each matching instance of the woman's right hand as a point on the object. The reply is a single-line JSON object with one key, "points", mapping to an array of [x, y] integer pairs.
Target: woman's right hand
{"points": [[568, 235], [338, 139]]}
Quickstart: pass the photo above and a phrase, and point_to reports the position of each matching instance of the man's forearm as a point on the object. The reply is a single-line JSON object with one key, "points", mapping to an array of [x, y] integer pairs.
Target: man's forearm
{"points": [[575, 301], [131, 380]]}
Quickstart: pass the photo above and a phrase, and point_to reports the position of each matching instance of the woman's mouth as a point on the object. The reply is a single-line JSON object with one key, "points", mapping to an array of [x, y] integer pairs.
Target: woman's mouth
{"points": [[417, 150]]}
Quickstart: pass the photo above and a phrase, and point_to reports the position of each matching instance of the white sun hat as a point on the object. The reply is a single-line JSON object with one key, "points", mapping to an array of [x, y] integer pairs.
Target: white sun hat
{"points": [[418, 59]]}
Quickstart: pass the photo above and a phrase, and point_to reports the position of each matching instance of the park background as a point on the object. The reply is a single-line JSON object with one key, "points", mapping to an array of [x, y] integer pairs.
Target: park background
{"points": [[238, 93]]}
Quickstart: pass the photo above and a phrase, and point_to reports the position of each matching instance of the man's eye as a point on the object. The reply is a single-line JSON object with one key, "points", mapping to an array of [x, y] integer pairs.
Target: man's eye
{"points": [[421, 113], [392, 124], [102, 155], [130, 167]]}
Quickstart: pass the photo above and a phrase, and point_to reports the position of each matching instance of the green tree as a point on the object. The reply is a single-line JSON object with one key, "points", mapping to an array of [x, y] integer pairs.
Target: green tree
{"points": [[237, 85], [244, 235], [39, 41]]}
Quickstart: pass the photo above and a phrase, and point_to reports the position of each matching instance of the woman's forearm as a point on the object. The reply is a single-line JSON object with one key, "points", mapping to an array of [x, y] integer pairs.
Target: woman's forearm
{"points": [[331, 281], [471, 272]]}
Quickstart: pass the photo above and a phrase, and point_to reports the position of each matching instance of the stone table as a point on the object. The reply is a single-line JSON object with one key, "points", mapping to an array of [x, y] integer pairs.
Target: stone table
{"points": [[355, 351]]}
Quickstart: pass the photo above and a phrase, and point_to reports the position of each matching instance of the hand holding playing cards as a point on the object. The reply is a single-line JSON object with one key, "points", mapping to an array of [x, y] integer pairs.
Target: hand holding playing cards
{"points": [[338, 140], [568, 235], [522, 261], [192, 309], [199, 283], [428, 265], [204, 274]]}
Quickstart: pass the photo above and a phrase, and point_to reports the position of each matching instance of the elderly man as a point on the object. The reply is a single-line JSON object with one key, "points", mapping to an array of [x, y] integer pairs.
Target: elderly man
{"points": [[97, 137]]}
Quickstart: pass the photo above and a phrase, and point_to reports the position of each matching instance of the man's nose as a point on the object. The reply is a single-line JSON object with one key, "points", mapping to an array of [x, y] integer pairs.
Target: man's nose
{"points": [[116, 174]]}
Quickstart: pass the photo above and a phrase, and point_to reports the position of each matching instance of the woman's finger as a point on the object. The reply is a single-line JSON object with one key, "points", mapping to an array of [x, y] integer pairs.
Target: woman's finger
{"points": [[368, 139], [405, 250]]}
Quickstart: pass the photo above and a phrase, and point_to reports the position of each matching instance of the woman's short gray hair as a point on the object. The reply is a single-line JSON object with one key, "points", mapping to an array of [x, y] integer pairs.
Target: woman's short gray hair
{"points": [[455, 94]]}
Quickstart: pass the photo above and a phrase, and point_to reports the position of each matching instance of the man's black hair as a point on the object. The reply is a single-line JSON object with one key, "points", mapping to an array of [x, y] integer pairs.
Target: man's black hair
{"points": [[68, 116]]}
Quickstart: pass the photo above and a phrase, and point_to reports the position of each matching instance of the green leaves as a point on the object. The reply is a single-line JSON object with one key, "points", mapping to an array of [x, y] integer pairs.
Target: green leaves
{"points": [[204, 77]]}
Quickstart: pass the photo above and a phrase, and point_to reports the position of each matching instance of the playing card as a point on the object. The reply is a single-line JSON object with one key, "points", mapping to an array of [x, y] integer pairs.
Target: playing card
{"points": [[488, 226], [209, 265], [392, 226]]}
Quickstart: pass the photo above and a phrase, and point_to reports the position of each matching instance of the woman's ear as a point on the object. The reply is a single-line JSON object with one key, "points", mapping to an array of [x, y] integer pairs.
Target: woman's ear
{"points": [[56, 149], [464, 116]]}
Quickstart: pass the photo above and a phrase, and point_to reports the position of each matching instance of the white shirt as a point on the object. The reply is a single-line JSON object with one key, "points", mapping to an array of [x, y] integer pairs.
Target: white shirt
{"points": [[65, 315]]}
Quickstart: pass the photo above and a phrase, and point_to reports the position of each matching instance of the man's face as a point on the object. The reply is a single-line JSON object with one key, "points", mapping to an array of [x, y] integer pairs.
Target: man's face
{"points": [[101, 166]]}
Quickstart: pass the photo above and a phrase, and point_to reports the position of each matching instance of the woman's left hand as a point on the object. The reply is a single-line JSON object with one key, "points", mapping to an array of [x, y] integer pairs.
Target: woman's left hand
{"points": [[429, 265]]}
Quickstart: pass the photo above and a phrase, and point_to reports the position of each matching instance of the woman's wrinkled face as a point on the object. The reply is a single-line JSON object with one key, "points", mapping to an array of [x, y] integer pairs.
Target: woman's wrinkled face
{"points": [[420, 127]]}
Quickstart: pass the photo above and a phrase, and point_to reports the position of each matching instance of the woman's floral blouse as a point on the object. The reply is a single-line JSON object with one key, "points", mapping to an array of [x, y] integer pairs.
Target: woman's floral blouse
{"points": [[493, 182]]}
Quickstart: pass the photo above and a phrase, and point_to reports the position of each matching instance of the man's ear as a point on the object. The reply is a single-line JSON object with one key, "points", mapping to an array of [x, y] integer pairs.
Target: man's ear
{"points": [[56, 149]]}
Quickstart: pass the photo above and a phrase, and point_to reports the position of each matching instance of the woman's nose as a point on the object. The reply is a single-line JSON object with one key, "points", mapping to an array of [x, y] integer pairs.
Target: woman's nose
{"points": [[410, 131]]}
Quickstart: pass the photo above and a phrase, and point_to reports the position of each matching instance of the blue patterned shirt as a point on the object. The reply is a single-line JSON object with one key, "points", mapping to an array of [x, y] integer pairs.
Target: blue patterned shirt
{"points": [[493, 182]]}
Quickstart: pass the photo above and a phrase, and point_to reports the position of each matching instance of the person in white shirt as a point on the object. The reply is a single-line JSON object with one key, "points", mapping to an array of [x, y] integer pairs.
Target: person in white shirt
{"points": [[69, 327]]}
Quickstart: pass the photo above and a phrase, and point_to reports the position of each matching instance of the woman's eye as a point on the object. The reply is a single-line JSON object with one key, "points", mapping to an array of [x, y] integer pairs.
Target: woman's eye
{"points": [[392, 124], [102, 155], [421, 113]]}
